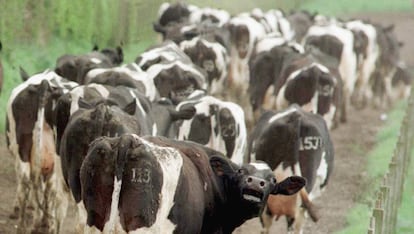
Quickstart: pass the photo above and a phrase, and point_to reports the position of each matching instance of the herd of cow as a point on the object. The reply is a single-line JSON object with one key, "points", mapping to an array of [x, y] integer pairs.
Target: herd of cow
{"points": [[157, 145]]}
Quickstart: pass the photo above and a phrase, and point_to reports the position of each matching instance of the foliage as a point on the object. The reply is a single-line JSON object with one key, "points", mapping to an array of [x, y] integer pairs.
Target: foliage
{"points": [[342, 7]]}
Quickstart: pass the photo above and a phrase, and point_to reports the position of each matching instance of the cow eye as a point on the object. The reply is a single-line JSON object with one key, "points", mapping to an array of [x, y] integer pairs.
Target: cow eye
{"points": [[241, 171], [273, 181]]}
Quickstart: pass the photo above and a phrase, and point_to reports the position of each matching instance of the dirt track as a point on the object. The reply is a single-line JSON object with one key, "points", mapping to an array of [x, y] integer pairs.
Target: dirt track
{"points": [[352, 141]]}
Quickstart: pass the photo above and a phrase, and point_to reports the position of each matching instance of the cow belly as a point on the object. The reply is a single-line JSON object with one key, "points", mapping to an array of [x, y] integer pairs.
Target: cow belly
{"points": [[280, 205], [49, 151]]}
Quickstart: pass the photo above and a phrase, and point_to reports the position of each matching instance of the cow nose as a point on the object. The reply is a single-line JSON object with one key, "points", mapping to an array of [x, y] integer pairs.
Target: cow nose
{"points": [[254, 181]]}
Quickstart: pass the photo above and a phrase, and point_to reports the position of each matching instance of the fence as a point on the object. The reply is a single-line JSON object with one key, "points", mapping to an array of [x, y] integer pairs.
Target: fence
{"points": [[389, 195]]}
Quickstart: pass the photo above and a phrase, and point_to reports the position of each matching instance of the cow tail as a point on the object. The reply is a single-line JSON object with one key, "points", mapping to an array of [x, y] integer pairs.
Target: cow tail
{"points": [[308, 205]]}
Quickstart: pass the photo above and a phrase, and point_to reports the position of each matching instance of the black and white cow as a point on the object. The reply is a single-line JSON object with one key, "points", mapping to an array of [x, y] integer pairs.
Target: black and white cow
{"points": [[311, 85], [293, 142], [129, 75], [217, 124], [75, 67], [244, 32], [337, 42], [368, 52], [212, 57], [120, 112], [133, 184], [386, 66], [265, 68], [401, 82], [31, 140]]}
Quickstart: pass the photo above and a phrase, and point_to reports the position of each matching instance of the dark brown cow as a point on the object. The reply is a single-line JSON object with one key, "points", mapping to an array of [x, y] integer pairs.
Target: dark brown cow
{"points": [[157, 185], [75, 67]]}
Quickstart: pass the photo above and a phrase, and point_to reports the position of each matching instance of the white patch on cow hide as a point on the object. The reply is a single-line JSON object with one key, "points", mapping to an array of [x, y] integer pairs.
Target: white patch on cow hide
{"points": [[96, 60], [197, 15], [372, 54], [268, 42], [283, 114], [163, 8], [82, 218], [113, 223], [328, 117], [170, 161], [260, 166], [321, 176], [138, 103]]}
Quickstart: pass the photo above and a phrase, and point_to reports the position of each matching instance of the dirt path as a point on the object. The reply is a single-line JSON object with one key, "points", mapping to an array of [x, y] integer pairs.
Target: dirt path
{"points": [[352, 142]]}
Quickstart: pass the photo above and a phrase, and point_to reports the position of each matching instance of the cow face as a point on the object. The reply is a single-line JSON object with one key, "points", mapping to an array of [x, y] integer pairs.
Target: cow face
{"points": [[251, 184]]}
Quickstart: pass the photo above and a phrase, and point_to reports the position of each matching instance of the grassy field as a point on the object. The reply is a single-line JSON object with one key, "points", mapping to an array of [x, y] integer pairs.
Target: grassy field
{"points": [[342, 7]]}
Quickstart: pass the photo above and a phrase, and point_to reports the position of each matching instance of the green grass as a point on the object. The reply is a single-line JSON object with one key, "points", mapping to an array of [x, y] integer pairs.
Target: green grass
{"points": [[406, 210], [378, 160], [342, 7]]}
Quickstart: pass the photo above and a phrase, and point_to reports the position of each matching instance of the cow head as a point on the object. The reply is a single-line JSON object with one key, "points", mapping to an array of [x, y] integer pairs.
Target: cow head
{"points": [[251, 184]]}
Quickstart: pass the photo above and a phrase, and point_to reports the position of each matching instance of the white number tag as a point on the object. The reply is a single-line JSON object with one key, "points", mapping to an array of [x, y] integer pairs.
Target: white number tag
{"points": [[310, 143]]}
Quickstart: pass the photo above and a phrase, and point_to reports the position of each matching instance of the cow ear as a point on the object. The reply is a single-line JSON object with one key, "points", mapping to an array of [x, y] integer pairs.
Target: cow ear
{"points": [[289, 186], [158, 28], [23, 74], [131, 107], [222, 166]]}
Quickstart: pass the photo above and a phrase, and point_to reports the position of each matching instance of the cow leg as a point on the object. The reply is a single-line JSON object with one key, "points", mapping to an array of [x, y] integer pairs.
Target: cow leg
{"points": [[266, 219], [23, 200], [24, 196], [299, 221], [62, 194]]}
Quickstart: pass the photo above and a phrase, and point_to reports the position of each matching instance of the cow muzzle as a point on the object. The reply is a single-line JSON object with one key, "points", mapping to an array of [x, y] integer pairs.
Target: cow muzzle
{"points": [[254, 190]]}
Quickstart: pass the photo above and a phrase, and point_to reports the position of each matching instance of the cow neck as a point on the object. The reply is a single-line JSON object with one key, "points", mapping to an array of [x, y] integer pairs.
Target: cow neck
{"points": [[231, 211]]}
